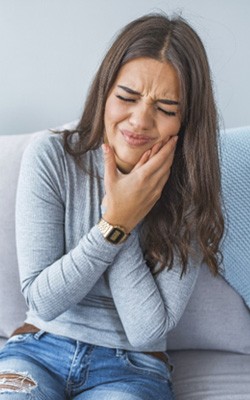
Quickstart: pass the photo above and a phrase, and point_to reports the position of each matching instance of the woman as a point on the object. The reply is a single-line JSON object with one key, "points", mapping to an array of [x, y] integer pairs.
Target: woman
{"points": [[113, 220]]}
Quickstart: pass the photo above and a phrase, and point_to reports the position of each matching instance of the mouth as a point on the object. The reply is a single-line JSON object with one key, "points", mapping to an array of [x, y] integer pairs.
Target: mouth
{"points": [[134, 139]]}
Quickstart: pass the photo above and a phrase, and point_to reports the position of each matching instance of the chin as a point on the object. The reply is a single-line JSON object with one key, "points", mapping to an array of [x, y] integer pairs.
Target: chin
{"points": [[127, 159], [125, 165]]}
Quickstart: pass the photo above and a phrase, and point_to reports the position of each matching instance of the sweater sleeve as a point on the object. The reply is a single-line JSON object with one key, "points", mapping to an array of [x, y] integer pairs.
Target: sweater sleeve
{"points": [[51, 280], [149, 306]]}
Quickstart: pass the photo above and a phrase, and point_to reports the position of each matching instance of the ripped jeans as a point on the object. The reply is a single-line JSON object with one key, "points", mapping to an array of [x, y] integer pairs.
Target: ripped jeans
{"points": [[43, 366]]}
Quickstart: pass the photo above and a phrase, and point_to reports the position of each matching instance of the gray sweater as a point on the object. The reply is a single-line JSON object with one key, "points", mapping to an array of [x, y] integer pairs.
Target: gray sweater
{"points": [[75, 283]]}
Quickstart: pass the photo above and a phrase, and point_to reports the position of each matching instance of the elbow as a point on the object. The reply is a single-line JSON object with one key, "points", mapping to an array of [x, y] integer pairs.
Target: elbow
{"points": [[144, 337], [138, 342], [42, 311], [39, 305], [142, 341], [44, 316]]}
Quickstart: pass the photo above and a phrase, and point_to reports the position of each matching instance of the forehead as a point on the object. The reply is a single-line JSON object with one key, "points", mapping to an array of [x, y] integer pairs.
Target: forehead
{"points": [[150, 77]]}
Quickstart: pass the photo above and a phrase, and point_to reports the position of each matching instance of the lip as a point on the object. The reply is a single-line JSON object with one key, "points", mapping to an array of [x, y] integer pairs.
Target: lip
{"points": [[133, 139]]}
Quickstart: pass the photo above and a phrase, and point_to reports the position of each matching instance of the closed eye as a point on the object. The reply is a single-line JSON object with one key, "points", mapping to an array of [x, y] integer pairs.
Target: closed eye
{"points": [[169, 113], [125, 98], [131, 100]]}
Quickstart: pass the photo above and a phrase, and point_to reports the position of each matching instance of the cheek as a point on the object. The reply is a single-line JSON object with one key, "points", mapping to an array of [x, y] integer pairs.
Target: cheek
{"points": [[170, 129], [114, 113]]}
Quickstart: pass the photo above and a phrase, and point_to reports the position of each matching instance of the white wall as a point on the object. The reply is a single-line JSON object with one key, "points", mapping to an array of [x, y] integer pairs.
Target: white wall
{"points": [[50, 50]]}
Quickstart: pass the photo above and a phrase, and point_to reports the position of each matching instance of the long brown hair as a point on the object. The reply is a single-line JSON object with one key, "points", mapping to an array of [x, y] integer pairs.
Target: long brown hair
{"points": [[190, 204]]}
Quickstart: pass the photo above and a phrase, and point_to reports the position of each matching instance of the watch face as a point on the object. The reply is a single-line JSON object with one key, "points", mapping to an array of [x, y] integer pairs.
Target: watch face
{"points": [[115, 236]]}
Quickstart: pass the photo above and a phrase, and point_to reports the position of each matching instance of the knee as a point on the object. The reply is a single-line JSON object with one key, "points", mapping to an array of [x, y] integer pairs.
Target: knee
{"points": [[16, 381]]}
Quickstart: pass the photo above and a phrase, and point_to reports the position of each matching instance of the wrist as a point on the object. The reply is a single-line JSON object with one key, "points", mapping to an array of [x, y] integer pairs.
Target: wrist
{"points": [[113, 233], [118, 220]]}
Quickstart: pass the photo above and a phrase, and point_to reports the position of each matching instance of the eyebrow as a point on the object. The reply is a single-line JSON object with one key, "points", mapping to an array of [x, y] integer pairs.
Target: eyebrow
{"points": [[164, 101]]}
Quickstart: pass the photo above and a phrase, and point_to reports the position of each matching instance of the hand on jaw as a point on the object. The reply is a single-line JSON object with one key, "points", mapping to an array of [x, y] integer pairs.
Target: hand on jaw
{"points": [[129, 197]]}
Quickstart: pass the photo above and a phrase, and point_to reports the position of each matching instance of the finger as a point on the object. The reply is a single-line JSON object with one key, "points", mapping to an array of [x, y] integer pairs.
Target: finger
{"points": [[163, 170], [171, 143], [163, 180], [155, 148], [163, 159], [144, 158], [109, 163], [166, 152], [148, 154], [163, 175]]}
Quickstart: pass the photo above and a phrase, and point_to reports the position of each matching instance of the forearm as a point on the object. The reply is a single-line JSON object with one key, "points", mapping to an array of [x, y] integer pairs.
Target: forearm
{"points": [[148, 306], [56, 287], [60, 254], [137, 297]]}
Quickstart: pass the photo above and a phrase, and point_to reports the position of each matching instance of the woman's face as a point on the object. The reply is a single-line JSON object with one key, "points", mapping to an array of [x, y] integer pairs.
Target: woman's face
{"points": [[142, 109]]}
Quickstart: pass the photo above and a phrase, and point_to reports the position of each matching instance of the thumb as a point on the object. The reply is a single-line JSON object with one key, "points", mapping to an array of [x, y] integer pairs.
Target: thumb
{"points": [[109, 162]]}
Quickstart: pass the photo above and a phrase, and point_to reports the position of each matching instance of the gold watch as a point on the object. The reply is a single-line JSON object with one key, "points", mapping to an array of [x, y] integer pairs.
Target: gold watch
{"points": [[114, 234]]}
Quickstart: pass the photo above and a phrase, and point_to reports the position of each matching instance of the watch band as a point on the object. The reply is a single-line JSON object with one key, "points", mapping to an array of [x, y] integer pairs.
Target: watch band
{"points": [[114, 234]]}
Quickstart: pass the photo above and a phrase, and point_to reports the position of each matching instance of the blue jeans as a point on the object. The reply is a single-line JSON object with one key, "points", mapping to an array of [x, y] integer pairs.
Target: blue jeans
{"points": [[43, 366]]}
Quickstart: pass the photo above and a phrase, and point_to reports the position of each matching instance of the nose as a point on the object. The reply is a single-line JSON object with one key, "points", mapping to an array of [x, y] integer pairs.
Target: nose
{"points": [[141, 117]]}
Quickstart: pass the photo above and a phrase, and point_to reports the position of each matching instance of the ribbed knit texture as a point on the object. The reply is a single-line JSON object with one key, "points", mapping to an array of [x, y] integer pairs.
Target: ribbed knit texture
{"points": [[236, 196], [75, 283]]}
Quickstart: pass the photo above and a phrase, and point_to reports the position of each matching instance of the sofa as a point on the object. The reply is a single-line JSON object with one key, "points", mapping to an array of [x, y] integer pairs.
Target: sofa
{"points": [[210, 346]]}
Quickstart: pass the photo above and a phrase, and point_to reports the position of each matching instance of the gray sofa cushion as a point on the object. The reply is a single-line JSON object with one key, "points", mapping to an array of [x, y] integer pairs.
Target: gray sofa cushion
{"points": [[211, 375], [12, 309], [12, 304], [216, 318], [235, 170]]}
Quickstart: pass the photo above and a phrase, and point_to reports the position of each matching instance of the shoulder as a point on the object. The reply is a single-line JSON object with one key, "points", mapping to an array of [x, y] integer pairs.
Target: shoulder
{"points": [[44, 161], [47, 155], [46, 152], [49, 141], [44, 144]]}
